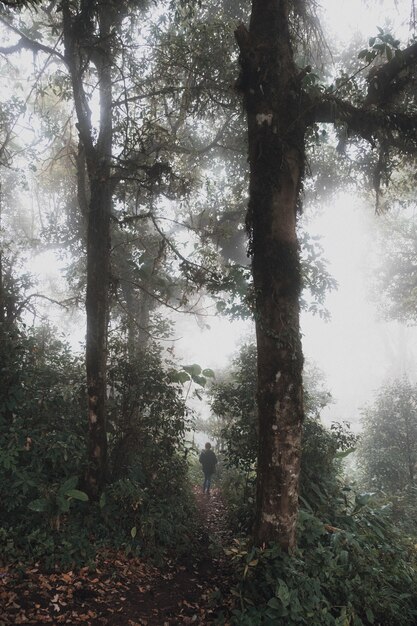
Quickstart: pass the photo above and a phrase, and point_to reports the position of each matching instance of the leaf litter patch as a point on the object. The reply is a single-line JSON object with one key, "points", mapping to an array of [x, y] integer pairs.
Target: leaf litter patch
{"points": [[125, 591]]}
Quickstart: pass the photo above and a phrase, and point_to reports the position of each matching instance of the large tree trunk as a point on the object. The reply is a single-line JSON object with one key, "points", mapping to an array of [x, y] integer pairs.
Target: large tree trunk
{"points": [[269, 81], [97, 47]]}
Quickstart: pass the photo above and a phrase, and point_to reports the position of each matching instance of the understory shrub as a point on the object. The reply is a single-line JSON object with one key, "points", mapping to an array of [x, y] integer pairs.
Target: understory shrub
{"points": [[238, 489], [151, 518], [361, 572], [45, 514]]}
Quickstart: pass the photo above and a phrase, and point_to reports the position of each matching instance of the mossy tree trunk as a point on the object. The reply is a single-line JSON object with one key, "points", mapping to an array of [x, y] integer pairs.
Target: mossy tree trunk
{"points": [[271, 88]]}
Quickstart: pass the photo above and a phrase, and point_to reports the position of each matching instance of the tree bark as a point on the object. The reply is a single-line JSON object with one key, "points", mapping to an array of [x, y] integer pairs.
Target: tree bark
{"points": [[98, 161], [276, 128]]}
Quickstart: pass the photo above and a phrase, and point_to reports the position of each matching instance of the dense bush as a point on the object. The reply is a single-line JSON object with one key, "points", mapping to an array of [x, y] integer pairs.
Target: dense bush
{"points": [[45, 514], [152, 518], [358, 573], [148, 418], [42, 430], [234, 403], [387, 452], [42, 445], [352, 566]]}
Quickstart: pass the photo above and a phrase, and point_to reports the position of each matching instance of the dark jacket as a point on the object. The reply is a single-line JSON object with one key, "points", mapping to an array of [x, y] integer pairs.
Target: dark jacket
{"points": [[208, 460]]}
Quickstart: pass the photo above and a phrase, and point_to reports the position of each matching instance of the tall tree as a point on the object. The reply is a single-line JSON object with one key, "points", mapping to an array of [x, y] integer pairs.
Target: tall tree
{"points": [[271, 86], [89, 30], [281, 110]]}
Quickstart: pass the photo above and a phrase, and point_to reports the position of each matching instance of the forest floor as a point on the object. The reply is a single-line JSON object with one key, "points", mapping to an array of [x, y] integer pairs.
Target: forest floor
{"points": [[124, 591]]}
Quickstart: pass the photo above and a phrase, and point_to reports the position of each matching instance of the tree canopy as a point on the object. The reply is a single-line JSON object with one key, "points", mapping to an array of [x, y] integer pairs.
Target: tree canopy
{"points": [[164, 153]]}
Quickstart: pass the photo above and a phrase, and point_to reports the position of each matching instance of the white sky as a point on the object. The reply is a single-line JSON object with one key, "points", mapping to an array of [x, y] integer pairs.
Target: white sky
{"points": [[356, 350], [342, 18]]}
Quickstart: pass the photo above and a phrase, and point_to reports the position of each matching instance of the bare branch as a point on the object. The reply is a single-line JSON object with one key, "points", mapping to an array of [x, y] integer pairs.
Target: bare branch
{"points": [[65, 304]]}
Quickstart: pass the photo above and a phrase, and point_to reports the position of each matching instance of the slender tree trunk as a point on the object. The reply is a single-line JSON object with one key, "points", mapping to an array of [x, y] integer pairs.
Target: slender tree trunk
{"points": [[97, 307], [270, 85], [78, 53]]}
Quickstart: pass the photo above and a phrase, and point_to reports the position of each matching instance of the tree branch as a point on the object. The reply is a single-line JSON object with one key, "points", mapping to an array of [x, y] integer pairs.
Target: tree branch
{"points": [[65, 304], [28, 44], [365, 122], [387, 80]]}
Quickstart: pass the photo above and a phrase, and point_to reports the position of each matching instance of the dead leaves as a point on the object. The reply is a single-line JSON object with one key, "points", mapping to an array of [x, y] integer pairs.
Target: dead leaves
{"points": [[121, 591], [83, 597]]}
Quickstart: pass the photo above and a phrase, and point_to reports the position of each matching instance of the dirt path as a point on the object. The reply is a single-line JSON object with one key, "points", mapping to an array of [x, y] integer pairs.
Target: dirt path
{"points": [[189, 593], [128, 592]]}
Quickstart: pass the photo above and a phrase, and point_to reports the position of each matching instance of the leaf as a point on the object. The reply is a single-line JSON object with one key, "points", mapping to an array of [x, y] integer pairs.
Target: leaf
{"points": [[133, 532], [283, 593], [362, 499], [180, 377], [208, 373], [77, 494], [274, 603], [102, 502], [344, 557], [193, 370], [39, 505], [70, 483], [200, 380], [344, 453]]}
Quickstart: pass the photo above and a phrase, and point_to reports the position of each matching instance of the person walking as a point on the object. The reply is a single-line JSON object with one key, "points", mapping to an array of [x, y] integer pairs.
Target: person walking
{"points": [[208, 461]]}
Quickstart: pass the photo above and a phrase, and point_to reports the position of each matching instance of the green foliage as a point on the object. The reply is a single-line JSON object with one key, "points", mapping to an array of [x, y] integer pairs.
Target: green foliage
{"points": [[195, 475], [317, 281], [42, 447], [148, 517], [320, 462], [388, 447], [234, 402], [41, 425], [45, 515], [382, 45], [238, 490], [395, 275], [359, 573], [192, 373], [147, 413], [403, 508], [149, 491]]}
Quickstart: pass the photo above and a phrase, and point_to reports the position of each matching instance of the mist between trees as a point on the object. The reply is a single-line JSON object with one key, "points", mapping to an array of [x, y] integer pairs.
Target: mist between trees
{"points": [[161, 156]]}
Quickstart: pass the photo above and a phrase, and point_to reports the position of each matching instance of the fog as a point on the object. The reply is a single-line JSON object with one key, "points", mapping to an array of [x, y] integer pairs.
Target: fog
{"points": [[356, 350]]}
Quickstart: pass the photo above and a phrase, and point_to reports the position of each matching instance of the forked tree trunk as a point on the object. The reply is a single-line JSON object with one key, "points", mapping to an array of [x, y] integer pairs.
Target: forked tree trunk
{"points": [[271, 88]]}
